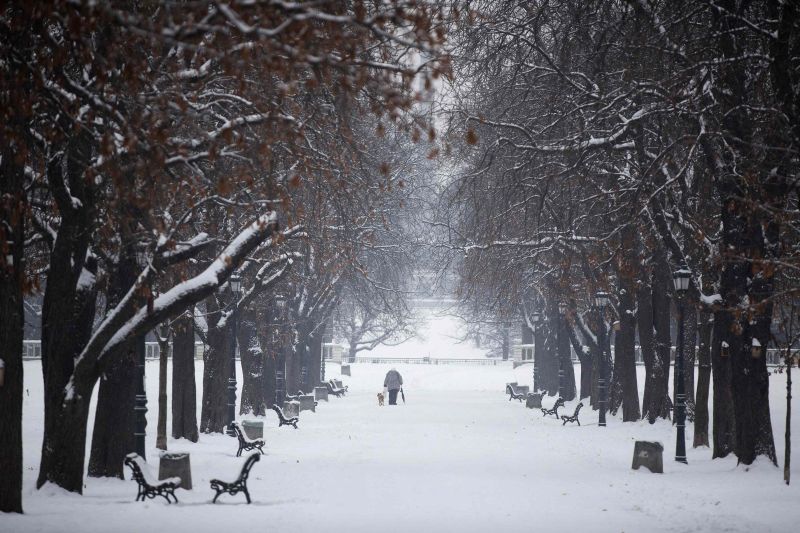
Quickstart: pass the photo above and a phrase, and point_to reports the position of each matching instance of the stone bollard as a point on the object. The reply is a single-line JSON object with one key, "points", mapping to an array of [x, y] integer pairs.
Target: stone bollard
{"points": [[291, 408], [307, 403], [176, 464], [649, 454], [345, 370], [254, 429], [321, 393], [534, 400]]}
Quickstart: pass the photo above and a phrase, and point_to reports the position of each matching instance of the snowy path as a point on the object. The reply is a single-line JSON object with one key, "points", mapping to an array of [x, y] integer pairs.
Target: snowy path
{"points": [[456, 457]]}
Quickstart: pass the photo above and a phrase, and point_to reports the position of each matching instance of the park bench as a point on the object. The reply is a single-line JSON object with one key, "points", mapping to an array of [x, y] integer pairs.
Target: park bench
{"points": [[282, 420], [513, 394], [147, 487], [574, 417], [338, 386], [246, 443], [554, 410], [333, 390], [240, 485]]}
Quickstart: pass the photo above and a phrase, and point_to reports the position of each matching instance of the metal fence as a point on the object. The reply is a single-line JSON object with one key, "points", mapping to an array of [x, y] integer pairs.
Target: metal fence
{"points": [[32, 349], [426, 361]]}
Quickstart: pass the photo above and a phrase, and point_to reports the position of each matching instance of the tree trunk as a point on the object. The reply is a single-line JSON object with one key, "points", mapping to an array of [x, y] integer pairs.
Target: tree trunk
{"points": [[787, 454], [67, 317], [690, 351], [163, 356], [703, 381], [644, 318], [115, 420], [64, 447], [315, 358], [662, 307], [216, 370], [12, 324], [184, 389], [565, 360], [724, 426], [625, 353], [252, 356], [548, 368], [751, 187]]}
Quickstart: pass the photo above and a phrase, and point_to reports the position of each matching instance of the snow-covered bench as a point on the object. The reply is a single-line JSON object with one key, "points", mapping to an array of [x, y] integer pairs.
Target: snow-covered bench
{"points": [[282, 419], [246, 443], [240, 485], [333, 390], [574, 417], [149, 488], [554, 410], [513, 394]]}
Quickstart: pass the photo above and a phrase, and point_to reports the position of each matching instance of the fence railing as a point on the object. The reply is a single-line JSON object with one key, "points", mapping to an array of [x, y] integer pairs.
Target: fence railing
{"points": [[425, 361], [32, 349]]}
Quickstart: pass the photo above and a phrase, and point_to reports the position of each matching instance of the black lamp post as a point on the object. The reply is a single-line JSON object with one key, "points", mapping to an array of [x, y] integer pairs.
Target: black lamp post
{"points": [[535, 318], [601, 300], [236, 287], [140, 403], [680, 278], [562, 311]]}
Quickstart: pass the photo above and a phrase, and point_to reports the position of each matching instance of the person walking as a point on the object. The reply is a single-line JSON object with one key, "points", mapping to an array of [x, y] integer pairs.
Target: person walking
{"points": [[393, 382]]}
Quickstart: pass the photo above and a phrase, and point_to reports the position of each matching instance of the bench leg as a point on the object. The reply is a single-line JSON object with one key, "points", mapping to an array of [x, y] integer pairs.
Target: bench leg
{"points": [[246, 494], [216, 496]]}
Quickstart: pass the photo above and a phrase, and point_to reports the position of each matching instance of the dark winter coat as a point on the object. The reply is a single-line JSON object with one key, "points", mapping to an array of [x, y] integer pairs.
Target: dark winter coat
{"points": [[393, 380]]}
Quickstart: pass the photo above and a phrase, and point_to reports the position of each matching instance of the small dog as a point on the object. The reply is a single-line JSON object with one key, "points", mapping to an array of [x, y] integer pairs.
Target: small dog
{"points": [[381, 397]]}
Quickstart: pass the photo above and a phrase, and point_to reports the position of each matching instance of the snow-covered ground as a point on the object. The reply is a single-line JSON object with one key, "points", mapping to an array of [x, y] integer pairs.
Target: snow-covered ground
{"points": [[458, 456]]}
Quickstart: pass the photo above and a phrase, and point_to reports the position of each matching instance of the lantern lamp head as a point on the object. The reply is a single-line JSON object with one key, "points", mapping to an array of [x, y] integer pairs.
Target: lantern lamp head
{"points": [[535, 317], [680, 278], [562, 308], [236, 284], [601, 299], [755, 349]]}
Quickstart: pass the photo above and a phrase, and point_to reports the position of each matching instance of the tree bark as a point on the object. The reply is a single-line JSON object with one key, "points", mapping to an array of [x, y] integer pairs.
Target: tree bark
{"points": [[703, 381], [216, 370], [315, 358], [184, 389], [724, 425], [565, 360], [662, 307], [115, 419], [67, 318], [252, 356], [625, 349], [548, 367], [163, 358], [12, 324]]}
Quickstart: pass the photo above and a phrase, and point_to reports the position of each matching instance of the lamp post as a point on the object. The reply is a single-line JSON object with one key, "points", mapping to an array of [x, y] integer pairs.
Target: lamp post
{"points": [[140, 402], [562, 311], [601, 300], [535, 318], [236, 287], [680, 279]]}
